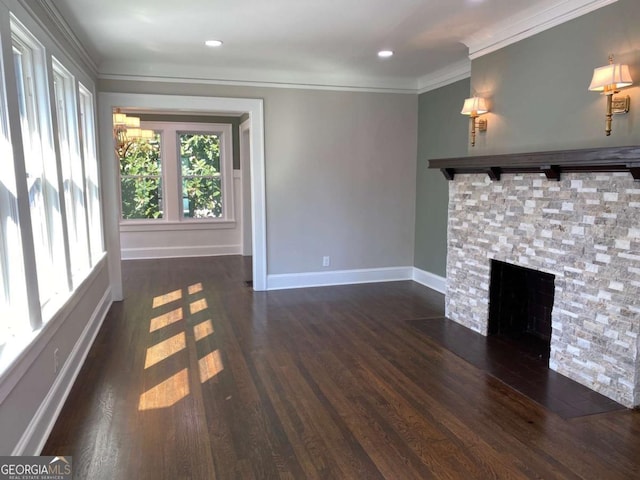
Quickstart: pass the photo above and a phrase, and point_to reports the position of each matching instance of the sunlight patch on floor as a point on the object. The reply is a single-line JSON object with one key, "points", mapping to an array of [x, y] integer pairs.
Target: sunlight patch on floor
{"points": [[161, 300], [175, 388], [210, 366], [168, 318], [198, 306], [165, 349], [202, 330], [167, 393]]}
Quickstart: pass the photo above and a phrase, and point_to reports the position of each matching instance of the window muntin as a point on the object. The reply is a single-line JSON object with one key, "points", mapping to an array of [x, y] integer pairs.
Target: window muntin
{"points": [[87, 136], [141, 180], [72, 170], [40, 164]]}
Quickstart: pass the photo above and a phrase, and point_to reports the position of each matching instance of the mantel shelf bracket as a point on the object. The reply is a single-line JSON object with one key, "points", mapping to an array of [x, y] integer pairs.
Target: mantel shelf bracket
{"points": [[494, 173], [552, 172]]}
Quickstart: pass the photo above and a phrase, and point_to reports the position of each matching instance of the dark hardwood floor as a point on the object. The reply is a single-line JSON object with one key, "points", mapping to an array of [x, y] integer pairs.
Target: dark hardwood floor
{"points": [[195, 376], [522, 363]]}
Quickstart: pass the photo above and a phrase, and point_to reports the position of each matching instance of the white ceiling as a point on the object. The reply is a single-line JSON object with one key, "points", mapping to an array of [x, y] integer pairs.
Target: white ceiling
{"points": [[307, 42]]}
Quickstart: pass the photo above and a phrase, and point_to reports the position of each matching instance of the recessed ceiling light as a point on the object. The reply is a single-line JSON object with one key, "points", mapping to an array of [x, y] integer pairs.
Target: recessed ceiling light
{"points": [[385, 53], [213, 43]]}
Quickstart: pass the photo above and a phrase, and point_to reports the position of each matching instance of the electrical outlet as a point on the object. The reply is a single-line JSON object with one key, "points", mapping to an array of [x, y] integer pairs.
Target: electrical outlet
{"points": [[56, 360], [326, 261]]}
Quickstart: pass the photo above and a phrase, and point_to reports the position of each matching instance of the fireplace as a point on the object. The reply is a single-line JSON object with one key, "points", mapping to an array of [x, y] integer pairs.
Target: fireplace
{"points": [[520, 305], [582, 228]]}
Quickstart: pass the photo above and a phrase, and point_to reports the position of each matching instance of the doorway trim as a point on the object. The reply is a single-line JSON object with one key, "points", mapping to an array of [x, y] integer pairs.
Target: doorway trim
{"points": [[107, 101], [245, 169]]}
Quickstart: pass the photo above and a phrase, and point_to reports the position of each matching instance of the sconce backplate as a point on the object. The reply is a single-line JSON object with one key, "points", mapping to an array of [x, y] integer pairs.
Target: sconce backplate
{"points": [[482, 124], [620, 104]]}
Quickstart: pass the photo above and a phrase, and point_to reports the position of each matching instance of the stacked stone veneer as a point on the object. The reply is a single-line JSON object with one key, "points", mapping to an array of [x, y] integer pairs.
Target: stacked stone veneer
{"points": [[584, 229]]}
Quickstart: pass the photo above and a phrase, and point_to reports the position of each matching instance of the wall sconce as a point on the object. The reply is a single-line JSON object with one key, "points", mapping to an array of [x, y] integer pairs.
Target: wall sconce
{"points": [[609, 80], [474, 107], [126, 130]]}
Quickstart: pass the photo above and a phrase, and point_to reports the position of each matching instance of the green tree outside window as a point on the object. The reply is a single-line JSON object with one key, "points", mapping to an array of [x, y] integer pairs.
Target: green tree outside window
{"points": [[201, 178], [141, 180]]}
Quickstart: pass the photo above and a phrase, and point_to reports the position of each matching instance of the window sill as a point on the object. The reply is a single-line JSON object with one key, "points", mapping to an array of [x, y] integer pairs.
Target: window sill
{"points": [[164, 226]]}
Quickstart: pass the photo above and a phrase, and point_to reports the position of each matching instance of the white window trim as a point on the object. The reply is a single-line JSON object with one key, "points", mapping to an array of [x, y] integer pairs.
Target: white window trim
{"points": [[38, 89], [13, 295], [172, 218], [19, 355], [72, 167], [88, 151]]}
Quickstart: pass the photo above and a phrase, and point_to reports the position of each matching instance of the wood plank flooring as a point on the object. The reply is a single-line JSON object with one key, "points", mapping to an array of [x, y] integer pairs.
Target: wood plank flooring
{"points": [[519, 364], [195, 376]]}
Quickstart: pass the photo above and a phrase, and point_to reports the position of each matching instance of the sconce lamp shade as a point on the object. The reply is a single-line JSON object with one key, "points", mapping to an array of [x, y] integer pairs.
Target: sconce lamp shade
{"points": [[474, 106], [610, 78]]}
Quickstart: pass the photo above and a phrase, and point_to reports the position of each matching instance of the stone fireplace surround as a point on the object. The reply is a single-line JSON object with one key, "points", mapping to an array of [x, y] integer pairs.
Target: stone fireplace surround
{"points": [[584, 228]]}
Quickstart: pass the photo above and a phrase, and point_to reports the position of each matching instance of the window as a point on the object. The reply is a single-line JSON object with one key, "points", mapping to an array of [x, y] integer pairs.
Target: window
{"points": [[141, 180], [189, 179], [201, 175], [72, 170], [40, 164], [49, 199], [13, 317], [87, 133]]}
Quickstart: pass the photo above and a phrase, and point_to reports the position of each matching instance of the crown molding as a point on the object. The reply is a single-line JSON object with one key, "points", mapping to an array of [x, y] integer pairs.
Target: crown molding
{"points": [[247, 78], [57, 20], [536, 19], [445, 76]]}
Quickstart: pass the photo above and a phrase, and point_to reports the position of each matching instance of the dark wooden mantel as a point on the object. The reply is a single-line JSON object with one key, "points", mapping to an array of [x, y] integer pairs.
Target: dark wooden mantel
{"points": [[552, 164]]}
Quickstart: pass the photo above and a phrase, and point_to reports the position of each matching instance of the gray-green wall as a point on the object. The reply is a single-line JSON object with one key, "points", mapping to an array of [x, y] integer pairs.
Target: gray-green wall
{"points": [[538, 94], [442, 132], [538, 87]]}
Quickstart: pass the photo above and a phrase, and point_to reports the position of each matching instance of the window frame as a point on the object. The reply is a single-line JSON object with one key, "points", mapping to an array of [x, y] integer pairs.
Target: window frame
{"points": [[41, 155], [227, 203], [72, 170], [89, 156], [162, 185], [13, 291], [34, 322]]}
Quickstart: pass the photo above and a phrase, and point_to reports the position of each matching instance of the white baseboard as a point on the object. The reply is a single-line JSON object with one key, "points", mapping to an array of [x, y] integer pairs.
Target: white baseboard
{"points": [[38, 430], [174, 252], [431, 280], [337, 277], [345, 277]]}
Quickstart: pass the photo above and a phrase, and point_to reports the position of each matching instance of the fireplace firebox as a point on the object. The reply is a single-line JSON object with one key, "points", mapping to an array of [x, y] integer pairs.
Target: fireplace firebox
{"points": [[520, 306]]}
